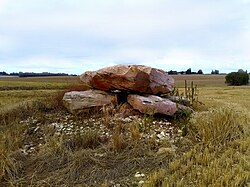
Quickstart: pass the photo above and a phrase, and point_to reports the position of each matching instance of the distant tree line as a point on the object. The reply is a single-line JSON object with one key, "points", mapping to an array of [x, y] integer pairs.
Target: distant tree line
{"points": [[188, 71], [215, 72], [3, 73], [32, 74]]}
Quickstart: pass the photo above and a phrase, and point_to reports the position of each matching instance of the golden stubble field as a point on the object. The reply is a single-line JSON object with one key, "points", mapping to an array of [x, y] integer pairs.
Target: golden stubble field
{"points": [[213, 91], [15, 89], [208, 86], [215, 151]]}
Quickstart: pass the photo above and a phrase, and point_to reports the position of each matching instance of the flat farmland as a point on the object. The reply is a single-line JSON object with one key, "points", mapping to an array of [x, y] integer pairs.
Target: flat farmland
{"points": [[211, 88], [213, 91], [200, 80], [16, 90], [37, 83]]}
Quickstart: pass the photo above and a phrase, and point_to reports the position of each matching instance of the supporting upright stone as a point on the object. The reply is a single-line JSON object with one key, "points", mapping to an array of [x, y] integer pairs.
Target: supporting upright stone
{"points": [[76, 101], [152, 104]]}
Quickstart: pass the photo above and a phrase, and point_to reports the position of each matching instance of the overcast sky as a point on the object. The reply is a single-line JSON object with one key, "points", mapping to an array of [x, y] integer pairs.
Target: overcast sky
{"points": [[73, 36]]}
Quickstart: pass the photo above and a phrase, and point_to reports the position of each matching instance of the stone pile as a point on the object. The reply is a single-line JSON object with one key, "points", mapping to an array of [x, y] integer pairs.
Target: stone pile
{"points": [[135, 88]]}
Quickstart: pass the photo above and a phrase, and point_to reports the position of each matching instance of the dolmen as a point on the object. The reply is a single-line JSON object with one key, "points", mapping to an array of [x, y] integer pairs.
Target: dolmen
{"points": [[133, 88]]}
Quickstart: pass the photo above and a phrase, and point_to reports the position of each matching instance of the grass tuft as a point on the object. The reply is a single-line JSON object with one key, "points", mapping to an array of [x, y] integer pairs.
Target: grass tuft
{"points": [[220, 155], [135, 132], [118, 141], [219, 125], [89, 139]]}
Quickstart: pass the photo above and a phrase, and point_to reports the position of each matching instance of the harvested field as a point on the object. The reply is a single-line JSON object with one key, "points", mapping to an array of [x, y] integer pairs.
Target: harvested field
{"points": [[200, 80]]}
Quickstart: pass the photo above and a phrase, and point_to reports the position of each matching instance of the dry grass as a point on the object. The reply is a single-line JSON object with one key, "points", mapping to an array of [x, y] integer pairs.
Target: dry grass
{"points": [[218, 126], [60, 79], [69, 160], [135, 132], [220, 144], [214, 96], [200, 80], [38, 83], [118, 141], [215, 151], [10, 160], [212, 161]]}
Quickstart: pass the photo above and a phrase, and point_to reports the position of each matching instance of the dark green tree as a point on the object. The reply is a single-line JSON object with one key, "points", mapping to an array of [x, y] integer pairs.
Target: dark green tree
{"points": [[189, 71], [215, 72], [237, 78], [200, 71]]}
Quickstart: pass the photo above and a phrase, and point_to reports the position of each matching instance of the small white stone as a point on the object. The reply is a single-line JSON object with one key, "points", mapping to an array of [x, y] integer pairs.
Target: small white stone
{"points": [[141, 182], [139, 174], [179, 131], [99, 154], [162, 133], [57, 133], [68, 129], [127, 120], [24, 151], [160, 136], [36, 129]]}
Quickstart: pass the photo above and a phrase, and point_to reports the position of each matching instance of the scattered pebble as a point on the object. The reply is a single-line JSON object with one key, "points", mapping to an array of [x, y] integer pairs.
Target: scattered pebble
{"points": [[139, 174], [66, 124], [141, 182]]}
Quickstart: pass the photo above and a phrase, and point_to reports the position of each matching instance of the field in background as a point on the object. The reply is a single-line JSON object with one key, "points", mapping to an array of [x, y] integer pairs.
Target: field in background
{"points": [[208, 161], [14, 90], [57, 79], [37, 83], [200, 80]]}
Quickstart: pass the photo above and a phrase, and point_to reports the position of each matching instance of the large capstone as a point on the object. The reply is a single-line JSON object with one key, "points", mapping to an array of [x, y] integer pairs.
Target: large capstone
{"points": [[133, 78]]}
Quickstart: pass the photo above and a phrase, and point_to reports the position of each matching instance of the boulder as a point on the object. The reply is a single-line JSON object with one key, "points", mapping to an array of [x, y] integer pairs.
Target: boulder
{"points": [[76, 101], [152, 104], [133, 78]]}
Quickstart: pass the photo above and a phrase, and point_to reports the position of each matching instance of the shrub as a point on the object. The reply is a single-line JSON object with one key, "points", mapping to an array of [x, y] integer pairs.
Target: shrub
{"points": [[237, 78]]}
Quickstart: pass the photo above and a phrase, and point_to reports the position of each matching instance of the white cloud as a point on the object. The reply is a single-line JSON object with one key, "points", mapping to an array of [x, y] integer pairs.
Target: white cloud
{"points": [[73, 34], [116, 19], [3, 5], [57, 65], [6, 43], [44, 63]]}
